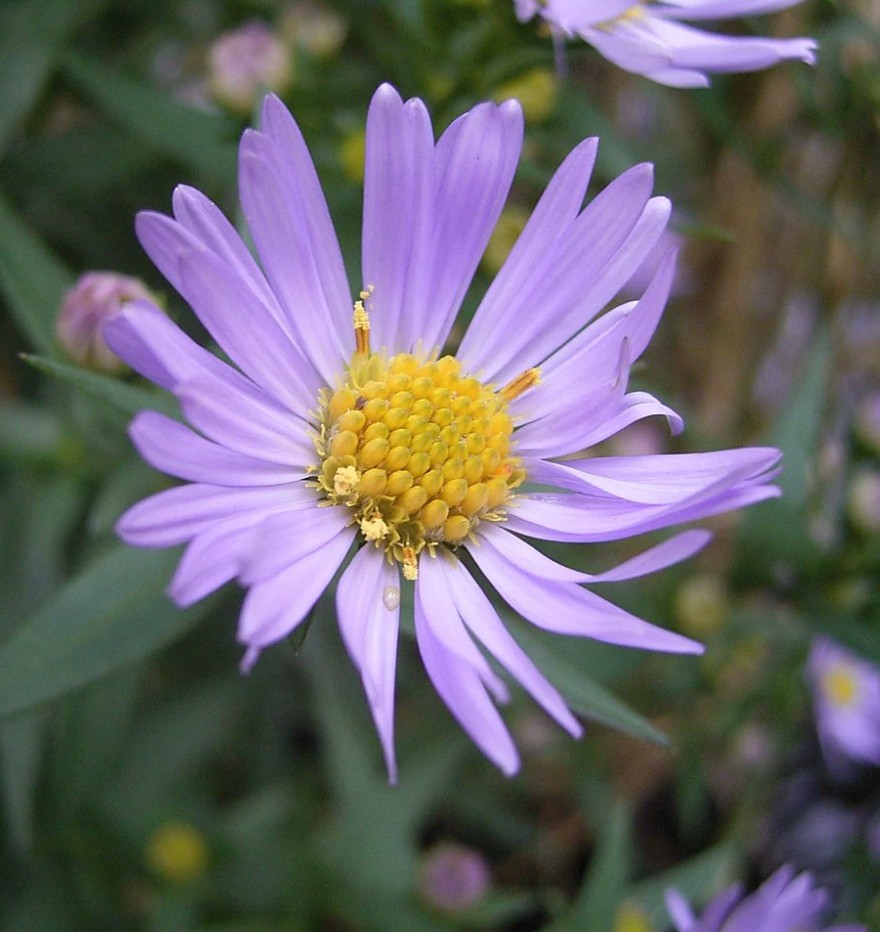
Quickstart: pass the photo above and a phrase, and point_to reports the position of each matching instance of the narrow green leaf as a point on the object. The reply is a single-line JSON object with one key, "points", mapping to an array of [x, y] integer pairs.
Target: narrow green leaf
{"points": [[31, 34], [21, 744], [31, 278], [200, 140], [777, 531], [585, 696], [608, 873], [697, 878], [28, 432], [113, 614], [129, 399]]}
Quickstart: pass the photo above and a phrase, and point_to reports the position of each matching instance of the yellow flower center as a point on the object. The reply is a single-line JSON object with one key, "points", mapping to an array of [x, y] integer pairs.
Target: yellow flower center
{"points": [[419, 451], [840, 686]]}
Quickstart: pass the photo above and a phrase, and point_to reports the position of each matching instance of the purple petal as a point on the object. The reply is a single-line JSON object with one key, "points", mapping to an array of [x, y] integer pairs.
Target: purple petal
{"points": [[284, 539], [159, 350], [250, 423], [179, 514], [599, 253], [554, 213], [397, 236], [368, 608], [566, 608], [459, 684], [476, 160], [174, 449], [480, 616], [212, 558], [680, 547], [246, 330], [273, 608]]}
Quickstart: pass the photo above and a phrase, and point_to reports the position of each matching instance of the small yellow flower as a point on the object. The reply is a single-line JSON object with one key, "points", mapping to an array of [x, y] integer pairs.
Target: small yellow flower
{"points": [[177, 852], [507, 230], [351, 155], [537, 91], [630, 917]]}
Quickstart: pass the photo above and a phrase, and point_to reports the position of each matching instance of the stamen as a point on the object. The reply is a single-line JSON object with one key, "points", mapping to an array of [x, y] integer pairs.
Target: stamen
{"points": [[522, 383], [374, 528], [362, 322], [410, 564], [345, 480]]}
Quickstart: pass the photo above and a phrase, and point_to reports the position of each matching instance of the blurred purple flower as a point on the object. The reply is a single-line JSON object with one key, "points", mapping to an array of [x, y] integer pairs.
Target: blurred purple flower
{"points": [[94, 298], [846, 698], [651, 39], [453, 877], [245, 62], [337, 431], [784, 903]]}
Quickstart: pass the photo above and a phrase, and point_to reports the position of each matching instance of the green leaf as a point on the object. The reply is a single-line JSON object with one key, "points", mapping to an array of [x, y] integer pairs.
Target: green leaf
{"points": [[195, 138], [585, 696], [31, 35], [597, 901], [21, 745], [777, 532], [697, 879], [113, 614], [28, 432], [32, 279], [129, 399]]}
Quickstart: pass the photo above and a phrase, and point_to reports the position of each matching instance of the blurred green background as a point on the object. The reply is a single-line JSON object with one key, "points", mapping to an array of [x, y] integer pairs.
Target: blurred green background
{"points": [[146, 785]]}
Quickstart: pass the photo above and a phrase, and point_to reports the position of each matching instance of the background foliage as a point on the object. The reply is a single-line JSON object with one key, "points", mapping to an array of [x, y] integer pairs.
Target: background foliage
{"points": [[146, 785]]}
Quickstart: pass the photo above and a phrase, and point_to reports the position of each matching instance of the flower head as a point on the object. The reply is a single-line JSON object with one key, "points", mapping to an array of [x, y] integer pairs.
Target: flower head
{"points": [[246, 61], [345, 427], [784, 903], [652, 38], [94, 298], [846, 696]]}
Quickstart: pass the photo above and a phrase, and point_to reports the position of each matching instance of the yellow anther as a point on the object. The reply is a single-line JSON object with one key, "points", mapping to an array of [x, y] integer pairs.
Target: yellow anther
{"points": [[340, 402], [373, 528], [432, 482], [361, 326], [456, 528], [396, 417], [372, 483], [413, 499], [397, 458], [352, 420], [376, 430], [375, 409], [345, 443], [417, 450], [473, 469], [419, 463], [398, 482], [410, 564], [522, 383], [497, 489], [346, 480], [454, 491], [400, 438], [373, 452], [475, 500], [434, 514]]}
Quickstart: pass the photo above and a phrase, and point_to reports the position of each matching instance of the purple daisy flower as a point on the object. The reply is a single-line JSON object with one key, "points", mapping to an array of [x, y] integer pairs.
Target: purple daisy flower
{"points": [[846, 698], [784, 903], [653, 39], [336, 430]]}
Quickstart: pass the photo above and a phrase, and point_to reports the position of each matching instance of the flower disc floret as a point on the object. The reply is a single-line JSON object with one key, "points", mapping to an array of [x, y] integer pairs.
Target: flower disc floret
{"points": [[419, 451]]}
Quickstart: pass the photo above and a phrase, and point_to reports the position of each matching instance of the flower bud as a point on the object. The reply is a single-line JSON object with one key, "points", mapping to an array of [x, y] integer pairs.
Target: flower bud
{"points": [[95, 298], [246, 61], [453, 877]]}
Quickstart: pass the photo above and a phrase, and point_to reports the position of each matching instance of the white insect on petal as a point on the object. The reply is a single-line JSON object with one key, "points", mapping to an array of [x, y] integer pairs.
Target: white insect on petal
{"points": [[391, 597]]}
